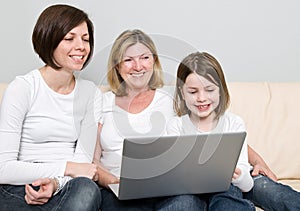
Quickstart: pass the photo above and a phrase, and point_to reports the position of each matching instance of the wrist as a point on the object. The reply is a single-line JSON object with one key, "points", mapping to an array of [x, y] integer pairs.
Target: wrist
{"points": [[57, 185]]}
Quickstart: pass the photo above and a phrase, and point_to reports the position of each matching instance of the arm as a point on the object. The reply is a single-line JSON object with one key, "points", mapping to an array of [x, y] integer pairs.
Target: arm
{"points": [[86, 100], [16, 106], [104, 176], [16, 103], [242, 177], [87, 105], [259, 165]]}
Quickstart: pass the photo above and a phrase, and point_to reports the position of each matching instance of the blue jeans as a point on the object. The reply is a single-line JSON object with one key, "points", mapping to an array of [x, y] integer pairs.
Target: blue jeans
{"points": [[229, 200], [78, 194], [171, 203], [270, 195]]}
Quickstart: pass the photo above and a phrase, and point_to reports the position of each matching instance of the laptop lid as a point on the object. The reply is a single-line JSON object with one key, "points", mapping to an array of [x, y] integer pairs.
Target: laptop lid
{"points": [[173, 165]]}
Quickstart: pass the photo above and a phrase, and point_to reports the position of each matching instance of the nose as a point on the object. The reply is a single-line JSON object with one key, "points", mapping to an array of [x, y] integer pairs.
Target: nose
{"points": [[79, 45], [202, 96], [138, 65]]}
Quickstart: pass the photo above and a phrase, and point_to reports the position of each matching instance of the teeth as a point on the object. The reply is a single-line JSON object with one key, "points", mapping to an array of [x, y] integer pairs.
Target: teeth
{"points": [[137, 74], [78, 57], [203, 106]]}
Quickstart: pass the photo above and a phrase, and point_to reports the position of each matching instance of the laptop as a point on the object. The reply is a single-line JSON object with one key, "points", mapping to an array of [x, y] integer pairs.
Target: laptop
{"points": [[174, 165]]}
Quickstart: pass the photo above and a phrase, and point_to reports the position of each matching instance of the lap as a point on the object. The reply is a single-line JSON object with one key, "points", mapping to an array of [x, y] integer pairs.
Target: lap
{"points": [[75, 192], [179, 202]]}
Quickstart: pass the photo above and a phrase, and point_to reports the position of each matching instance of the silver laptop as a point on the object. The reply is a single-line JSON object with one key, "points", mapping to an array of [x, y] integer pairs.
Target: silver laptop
{"points": [[173, 165]]}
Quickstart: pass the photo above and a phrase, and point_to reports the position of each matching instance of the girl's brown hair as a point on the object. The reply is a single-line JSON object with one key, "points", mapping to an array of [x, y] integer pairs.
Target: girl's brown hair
{"points": [[208, 67]]}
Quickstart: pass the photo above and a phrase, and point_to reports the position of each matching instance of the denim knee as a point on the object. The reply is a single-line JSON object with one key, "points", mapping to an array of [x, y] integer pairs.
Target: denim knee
{"points": [[83, 194]]}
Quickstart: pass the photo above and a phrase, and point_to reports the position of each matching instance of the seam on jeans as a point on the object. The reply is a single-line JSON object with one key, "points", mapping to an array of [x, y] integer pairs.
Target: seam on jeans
{"points": [[65, 193], [4, 191], [251, 204]]}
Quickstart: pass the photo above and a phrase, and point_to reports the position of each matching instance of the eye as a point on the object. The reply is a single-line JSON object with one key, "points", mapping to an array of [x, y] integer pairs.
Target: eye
{"points": [[192, 91], [68, 38], [146, 57], [86, 38], [127, 60]]}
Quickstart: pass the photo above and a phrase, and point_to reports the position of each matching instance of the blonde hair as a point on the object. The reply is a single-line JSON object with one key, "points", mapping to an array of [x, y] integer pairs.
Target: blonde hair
{"points": [[208, 67], [125, 40]]}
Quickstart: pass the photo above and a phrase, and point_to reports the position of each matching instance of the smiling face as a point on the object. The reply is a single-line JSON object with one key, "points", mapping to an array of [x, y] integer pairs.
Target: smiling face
{"points": [[136, 67], [201, 96], [73, 50]]}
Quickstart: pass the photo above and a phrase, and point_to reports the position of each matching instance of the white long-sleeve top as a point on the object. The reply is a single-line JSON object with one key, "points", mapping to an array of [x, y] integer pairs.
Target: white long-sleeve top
{"points": [[40, 129], [118, 124], [227, 123]]}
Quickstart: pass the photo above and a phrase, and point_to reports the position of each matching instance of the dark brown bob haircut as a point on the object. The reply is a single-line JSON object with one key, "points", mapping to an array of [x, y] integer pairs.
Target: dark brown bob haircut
{"points": [[52, 26]]}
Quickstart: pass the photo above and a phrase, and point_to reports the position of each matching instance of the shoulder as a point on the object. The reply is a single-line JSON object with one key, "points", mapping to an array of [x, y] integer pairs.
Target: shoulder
{"points": [[108, 95], [21, 90], [108, 98], [86, 90], [176, 120], [163, 97], [163, 103], [24, 83], [174, 126], [86, 84], [232, 117], [233, 122]]}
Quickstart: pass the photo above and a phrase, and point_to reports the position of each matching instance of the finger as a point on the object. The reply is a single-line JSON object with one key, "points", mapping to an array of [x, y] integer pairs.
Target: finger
{"points": [[33, 202], [255, 172], [29, 192], [34, 196], [235, 176], [41, 181]]}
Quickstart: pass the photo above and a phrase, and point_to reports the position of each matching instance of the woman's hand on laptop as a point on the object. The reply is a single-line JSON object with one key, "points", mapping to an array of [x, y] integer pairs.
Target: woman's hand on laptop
{"points": [[105, 177], [88, 170]]}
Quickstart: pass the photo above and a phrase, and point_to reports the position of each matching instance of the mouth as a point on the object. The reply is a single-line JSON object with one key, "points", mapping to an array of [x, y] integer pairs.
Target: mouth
{"points": [[139, 74], [77, 58], [203, 107]]}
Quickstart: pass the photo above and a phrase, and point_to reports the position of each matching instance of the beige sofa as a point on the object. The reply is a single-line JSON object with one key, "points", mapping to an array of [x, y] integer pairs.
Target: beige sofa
{"points": [[271, 113]]}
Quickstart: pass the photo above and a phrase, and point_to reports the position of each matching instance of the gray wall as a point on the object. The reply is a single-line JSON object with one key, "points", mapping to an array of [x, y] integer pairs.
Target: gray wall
{"points": [[257, 40]]}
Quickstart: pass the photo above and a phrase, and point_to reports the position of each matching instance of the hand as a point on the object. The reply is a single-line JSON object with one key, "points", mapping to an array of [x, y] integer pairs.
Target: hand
{"points": [[237, 173], [88, 170], [264, 170], [105, 177], [47, 188], [259, 165]]}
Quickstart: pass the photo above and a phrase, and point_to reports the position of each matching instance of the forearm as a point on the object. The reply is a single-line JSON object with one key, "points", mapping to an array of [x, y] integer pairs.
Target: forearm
{"points": [[259, 165], [254, 158], [20, 173]]}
